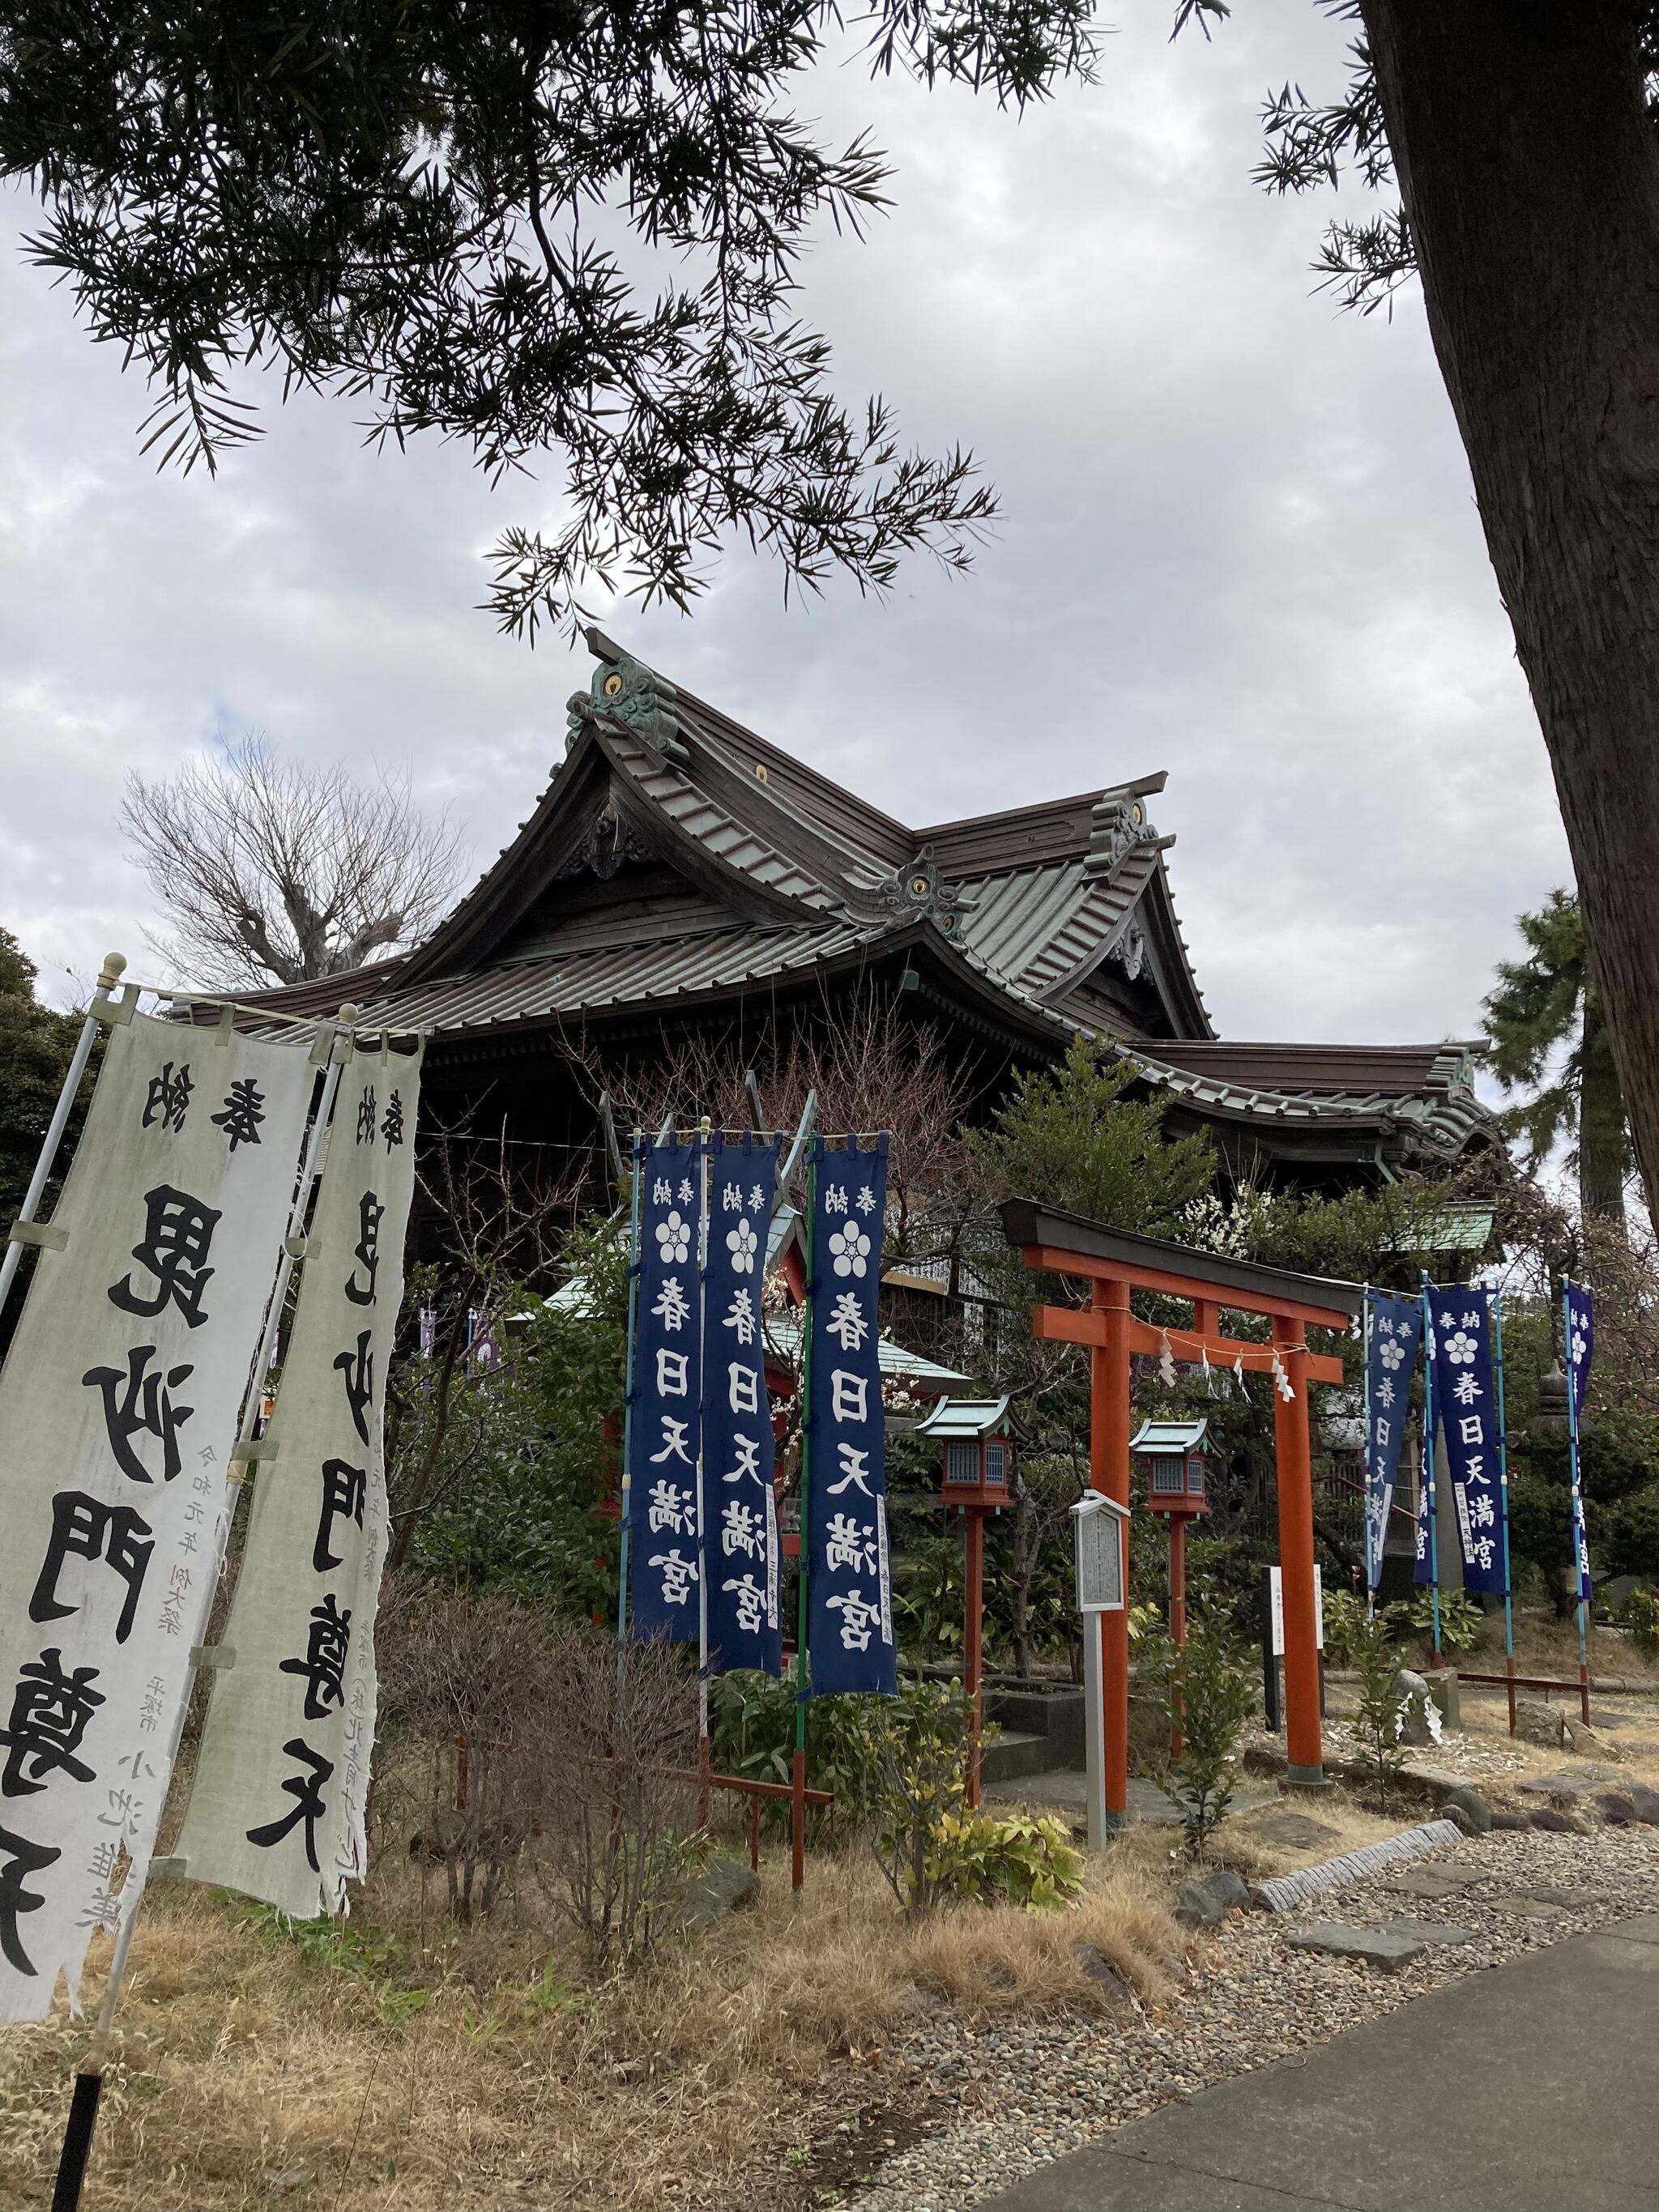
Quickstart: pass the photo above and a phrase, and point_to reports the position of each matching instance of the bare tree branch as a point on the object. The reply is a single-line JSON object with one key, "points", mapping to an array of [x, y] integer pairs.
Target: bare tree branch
{"points": [[277, 872]]}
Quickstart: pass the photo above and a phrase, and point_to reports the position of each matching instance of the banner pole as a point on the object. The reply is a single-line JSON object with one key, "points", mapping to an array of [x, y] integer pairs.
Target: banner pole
{"points": [[626, 1494], [109, 976], [1580, 1542], [705, 1756], [1428, 1462], [798, 1810], [1504, 1494], [89, 2077], [1373, 1536]]}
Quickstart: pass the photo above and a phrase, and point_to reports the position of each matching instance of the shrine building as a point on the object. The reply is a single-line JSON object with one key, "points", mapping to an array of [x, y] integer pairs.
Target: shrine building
{"points": [[682, 878]]}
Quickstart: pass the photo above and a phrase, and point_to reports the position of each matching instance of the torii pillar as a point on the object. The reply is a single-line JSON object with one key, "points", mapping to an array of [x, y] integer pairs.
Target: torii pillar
{"points": [[1113, 1263]]}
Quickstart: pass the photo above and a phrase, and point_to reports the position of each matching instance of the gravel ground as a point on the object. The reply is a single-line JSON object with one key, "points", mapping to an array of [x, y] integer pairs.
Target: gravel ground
{"points": [[1477, 1758], [1013, 2095]]}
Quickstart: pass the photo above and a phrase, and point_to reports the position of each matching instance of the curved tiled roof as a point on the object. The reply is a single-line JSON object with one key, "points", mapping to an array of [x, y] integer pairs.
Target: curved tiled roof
{"points": [[754, 869]]}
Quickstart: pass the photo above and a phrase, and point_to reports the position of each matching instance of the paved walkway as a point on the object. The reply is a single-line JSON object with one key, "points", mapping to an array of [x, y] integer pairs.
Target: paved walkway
{"points": [[1532, 2088]]}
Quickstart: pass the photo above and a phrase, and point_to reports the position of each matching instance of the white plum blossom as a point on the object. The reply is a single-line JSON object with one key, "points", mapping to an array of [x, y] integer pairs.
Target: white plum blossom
{"points": [[1459, 1348], [849, 1248], [742, 1244], [674, 1237], [1580, 1345], [1390, 1353]]}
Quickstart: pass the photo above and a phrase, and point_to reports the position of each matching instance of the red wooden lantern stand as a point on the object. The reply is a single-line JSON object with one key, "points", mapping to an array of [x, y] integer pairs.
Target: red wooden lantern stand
{"points": [[1171, 1454], [1113, 1264], [976, 1442]]}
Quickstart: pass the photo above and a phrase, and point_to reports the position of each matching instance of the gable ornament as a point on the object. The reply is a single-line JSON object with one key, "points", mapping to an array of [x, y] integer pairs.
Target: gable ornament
{"points": [[628, 692], [920, 892]]}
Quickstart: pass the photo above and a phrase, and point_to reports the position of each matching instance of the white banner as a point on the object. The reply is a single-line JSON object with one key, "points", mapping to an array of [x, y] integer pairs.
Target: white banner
{"points": [[277, 1807], [119, 1408]]}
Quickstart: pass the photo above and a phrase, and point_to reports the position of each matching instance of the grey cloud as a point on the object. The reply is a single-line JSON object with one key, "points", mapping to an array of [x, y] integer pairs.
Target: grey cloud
{"points": [[1239, 543]]}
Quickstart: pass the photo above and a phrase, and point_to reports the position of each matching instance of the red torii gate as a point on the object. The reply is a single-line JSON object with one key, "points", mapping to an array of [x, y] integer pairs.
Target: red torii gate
{"points": [[1115, 1263]]}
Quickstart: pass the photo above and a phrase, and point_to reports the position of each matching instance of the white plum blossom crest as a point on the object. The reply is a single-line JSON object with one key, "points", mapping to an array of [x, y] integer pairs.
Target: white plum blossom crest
{"points": [[742, 1244], [850, 1248], [674, 1237]]}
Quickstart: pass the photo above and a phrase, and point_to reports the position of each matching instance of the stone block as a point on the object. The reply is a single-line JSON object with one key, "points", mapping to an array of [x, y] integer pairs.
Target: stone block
{"points": [[1230, 1891], [1537, 1721], [1435, 1935], [1293, 1831], [1616, 1808], [1433, 1881], [1504, 1817], [1104, 1976], [1466, 1800], [1196, 1907], [1411, 1692], [1579, 1737], [1443, 1689], [1384, 1949], [1554, 1822], [721, 1887], [1645, 1802]]}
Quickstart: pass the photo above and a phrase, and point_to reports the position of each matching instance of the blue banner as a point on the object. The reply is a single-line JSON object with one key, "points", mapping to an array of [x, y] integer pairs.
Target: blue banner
{"points": [[741, 1559], [1580, 1300], [665, 1427], [850, 1637], [1466, 1402], [1393, 1327], [1426, 1568]]}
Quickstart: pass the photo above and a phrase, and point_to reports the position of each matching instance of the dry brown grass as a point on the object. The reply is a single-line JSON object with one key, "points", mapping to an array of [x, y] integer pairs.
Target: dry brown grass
{"points": [[246, 2076]]}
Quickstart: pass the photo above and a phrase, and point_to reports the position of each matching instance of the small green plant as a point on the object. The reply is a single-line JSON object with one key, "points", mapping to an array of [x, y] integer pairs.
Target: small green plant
{"points": [[366, 1954], [1640, 1614], [1379, 1714], [1461, 1618], [1347, 1621], [1027, 1861], [1212, 1677], [922, 1762]]}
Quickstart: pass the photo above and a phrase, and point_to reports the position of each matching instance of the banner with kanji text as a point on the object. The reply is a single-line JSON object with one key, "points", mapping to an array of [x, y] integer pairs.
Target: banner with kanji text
{"points": [[1579, 1301], [740, 1547], [665, 1428], [1393, 1328], [119, 1404], [850, 1640], [277, 1801], [1465, 1406]]}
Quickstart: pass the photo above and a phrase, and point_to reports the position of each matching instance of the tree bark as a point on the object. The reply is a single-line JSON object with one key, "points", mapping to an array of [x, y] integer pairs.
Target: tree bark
{"points": [[1530, 178], [1603, 1141]]}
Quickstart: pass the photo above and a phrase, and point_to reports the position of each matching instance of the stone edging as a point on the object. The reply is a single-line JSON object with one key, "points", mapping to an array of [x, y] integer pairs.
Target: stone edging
{"points": [[1287, 1891]]}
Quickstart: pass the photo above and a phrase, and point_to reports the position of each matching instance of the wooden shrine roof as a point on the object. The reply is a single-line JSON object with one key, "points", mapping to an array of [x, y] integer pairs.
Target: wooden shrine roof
{"points": [[678, 859]]}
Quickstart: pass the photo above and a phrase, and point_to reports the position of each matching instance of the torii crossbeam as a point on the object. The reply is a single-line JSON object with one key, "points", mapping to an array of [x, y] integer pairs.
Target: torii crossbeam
{"points": [[1115, 1263]]}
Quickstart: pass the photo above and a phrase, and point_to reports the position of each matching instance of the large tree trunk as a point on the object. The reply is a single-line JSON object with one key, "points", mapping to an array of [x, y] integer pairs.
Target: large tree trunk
{"points": [[1530, 177], [1603, 1142]]}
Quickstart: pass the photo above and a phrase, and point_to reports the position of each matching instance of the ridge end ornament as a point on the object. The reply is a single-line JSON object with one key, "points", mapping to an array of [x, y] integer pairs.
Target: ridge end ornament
{"points": [[920, 892], [628, 692], [1119, 823]]}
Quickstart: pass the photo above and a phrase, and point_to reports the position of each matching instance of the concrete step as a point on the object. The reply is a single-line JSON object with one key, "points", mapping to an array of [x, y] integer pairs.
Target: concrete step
{"points": [[1014, 1753]]}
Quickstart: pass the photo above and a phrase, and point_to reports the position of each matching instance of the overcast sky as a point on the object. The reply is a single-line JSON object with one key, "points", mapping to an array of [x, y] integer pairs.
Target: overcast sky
{"points": [[1240, 544]]}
